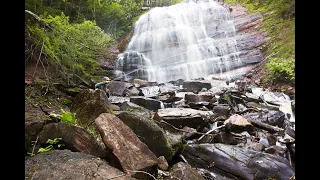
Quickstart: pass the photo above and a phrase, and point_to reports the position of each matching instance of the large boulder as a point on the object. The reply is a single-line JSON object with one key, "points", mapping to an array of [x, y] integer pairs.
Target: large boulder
{"points": [[167, 88], [271, 117], [237, 123], [241, 162], [181, 117], [118, 88], [140, 83], [132, 107], [150, 91], [74, 138], [132, 91], [131, 154], [198, 97], [149, 133], [151, 104], [183, 171], [89, 95], [61, 164], [35, 119], [88, 105], [167, 98], [117, 100], [196, 85], [222, 110]]}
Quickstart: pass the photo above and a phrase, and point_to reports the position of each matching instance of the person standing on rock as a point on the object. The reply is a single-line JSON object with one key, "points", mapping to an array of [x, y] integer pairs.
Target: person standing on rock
{"points": [[104, 85]]}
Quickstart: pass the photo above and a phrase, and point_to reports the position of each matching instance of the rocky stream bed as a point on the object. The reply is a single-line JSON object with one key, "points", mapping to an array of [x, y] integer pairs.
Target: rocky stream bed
{"points": [[197, 129]]}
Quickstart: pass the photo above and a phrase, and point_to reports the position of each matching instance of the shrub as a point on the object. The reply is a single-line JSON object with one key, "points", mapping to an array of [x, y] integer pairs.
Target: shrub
{"points": [[281, 70], [72, 48]]}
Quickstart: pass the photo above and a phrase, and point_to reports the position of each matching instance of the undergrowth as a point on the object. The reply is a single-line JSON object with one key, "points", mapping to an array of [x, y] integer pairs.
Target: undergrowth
{"points": [[279, 24]]}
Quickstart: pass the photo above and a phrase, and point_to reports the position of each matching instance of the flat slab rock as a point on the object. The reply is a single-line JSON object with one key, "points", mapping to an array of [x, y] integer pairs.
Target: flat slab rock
{"points": [[118, 100], [131, 153], [240, 162], [181, 117], [149, 103], [196, 85], [61, 164]]}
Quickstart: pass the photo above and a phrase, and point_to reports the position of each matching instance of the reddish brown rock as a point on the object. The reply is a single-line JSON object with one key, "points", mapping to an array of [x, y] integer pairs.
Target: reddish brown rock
{"points": [[163, 164], [237, 123], [132, 154]]}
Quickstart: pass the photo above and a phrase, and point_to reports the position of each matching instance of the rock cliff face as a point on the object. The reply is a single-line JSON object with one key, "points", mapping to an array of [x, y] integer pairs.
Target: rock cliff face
{"points": [[190, 40]]}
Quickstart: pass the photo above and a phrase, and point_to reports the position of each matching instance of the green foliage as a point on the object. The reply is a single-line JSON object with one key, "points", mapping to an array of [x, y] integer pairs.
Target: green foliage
{"points": [[72, 48], [281, 70], [114, 17], [66, 117], [279, 23], [160, 3], [31, 154], [227, 98], [56, 143]]}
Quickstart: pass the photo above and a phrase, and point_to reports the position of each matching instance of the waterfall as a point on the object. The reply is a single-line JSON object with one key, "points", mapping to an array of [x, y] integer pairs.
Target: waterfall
{"points": [[187, 40]]}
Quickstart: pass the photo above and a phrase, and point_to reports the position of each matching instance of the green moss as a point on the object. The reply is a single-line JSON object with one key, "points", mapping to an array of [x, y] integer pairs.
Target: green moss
{"points": [[66, 102], [92, 130]]}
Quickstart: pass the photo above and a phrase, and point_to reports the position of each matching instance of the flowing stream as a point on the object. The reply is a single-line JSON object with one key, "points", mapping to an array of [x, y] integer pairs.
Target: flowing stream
{"points": [[183, 41]]}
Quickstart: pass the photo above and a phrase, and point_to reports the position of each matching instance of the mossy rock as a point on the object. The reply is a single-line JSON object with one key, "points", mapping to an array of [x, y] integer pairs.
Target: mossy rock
{"points": [[88, 105], [88, 111]]}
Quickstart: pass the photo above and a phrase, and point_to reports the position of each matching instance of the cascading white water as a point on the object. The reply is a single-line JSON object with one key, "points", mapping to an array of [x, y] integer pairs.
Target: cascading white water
{"points": [[182, 41]]}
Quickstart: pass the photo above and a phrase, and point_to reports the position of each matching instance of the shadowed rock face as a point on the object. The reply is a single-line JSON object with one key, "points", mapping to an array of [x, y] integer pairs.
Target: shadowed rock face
{"points": [[149, 133], [272, 117], [117, 88], [246, 164], [74, 165], [131, 153], [89, 104], [74, 138], [35, 119], [149, 103]]}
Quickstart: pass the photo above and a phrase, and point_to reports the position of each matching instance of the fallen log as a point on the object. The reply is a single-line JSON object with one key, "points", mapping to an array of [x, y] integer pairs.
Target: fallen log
{"points": [[265, 126]]}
